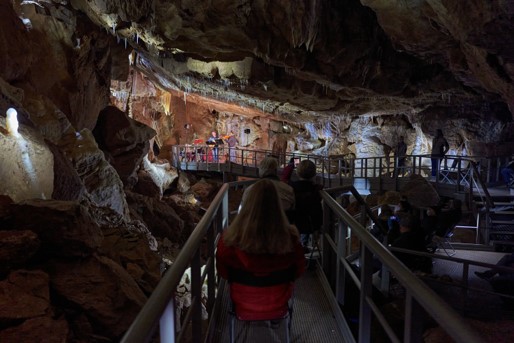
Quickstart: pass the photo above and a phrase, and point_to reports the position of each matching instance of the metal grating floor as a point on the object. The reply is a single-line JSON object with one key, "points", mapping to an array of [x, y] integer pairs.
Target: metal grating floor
{"points": [[313, 319], [471, 303]]}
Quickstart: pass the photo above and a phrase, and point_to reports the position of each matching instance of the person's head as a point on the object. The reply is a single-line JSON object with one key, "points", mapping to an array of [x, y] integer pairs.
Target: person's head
{"points": [[214, 134], [402, 138], [439, 133], [262, 226], [306, 170], [406, 223], [268, 167], [404, 205], [231, 133], [291, 160]]}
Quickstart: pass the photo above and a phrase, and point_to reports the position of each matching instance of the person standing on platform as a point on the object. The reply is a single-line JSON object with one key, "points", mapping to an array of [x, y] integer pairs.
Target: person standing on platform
{"points": [[232, 142], [212, 141], [440, 147], [308, 214], [400, 152]]}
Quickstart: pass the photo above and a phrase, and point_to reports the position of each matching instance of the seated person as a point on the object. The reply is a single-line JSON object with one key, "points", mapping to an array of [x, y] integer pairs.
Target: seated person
{"points": [[381, 228], [502, 280], [260, 253], [505, 261], [429, 223], [404, 208], [411, 238], [449, 216]]}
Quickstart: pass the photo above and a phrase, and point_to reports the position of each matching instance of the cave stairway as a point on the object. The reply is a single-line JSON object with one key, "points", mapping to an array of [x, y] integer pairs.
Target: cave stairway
{"points": [[498, 221]]}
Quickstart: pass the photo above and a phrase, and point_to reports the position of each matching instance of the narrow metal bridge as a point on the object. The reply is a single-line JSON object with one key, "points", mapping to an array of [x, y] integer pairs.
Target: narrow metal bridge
{"points": [[472, 179], [335, 301]]}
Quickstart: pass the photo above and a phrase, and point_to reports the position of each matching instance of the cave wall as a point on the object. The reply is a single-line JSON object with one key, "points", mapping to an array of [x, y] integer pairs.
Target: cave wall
{"points": [[484, 130]]}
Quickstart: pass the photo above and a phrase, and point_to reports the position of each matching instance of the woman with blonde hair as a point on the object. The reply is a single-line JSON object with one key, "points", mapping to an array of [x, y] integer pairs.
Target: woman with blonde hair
{"points": [[260, 254]]}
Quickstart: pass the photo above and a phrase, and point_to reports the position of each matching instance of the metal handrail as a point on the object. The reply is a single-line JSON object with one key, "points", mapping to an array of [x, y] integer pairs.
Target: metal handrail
{"points": [[364, 167], [160, 306], [463, 283], [418, 294]]}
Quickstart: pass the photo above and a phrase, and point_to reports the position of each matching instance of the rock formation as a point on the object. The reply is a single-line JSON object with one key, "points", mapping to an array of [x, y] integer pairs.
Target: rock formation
{"points": [[322, 77]]}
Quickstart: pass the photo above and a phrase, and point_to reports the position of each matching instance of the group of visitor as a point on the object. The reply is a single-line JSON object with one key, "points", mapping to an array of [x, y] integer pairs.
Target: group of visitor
{"points": [[415, 229], [263, 250], [271, 234], [270, 211]]}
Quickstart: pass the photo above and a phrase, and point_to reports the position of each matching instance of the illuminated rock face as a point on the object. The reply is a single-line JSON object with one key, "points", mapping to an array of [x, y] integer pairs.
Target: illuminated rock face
{"points": [[26, 165], [11, 121], [325, 69]]}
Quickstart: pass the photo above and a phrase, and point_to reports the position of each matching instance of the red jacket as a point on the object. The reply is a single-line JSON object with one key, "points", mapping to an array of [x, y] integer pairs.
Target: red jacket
{"points": [[287, 172], [265, 301]]}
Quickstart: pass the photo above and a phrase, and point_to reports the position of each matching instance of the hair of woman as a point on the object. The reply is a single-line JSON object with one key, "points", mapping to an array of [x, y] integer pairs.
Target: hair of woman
{"points": [[261, 227], [306, 169]]}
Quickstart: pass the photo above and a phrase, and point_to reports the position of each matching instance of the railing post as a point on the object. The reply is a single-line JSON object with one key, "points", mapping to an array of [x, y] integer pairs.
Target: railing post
{"points": [[414, 313], [366, 268], [324, 244], [211, 273], [196, 298], [341, 254], [167, 323]]}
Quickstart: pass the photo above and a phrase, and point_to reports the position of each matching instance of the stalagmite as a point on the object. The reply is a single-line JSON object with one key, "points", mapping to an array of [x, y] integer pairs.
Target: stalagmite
{"points": [[12, 121]]}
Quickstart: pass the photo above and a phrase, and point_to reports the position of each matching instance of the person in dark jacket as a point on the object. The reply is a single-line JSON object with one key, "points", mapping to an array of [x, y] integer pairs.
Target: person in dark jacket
{"points": [[400, 152], [440, 147], [308, 214], [411, 238]]}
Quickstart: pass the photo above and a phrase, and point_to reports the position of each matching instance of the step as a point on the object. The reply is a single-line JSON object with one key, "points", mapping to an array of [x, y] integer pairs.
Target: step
{"points": [[502, 222], [502, 237], [496, 203], [493, 211], [503, 246]]}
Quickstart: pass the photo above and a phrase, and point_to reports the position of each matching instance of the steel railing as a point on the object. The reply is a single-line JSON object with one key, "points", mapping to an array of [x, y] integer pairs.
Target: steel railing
{"points": [[484, 169], [198, 254], [337, 226], [160, 310]]}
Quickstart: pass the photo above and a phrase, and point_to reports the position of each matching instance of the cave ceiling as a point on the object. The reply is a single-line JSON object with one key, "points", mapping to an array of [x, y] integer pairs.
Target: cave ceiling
{"points": [[312, 58]]}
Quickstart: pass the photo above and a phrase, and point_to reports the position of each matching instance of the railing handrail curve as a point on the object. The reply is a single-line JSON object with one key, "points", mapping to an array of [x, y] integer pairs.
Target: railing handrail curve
{"points": [[445, 316]]}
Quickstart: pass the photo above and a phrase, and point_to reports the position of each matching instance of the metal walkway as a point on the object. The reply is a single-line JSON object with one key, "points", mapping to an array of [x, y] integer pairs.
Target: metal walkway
{"points": [[478, 294], [313, 318], [321, 293]]}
